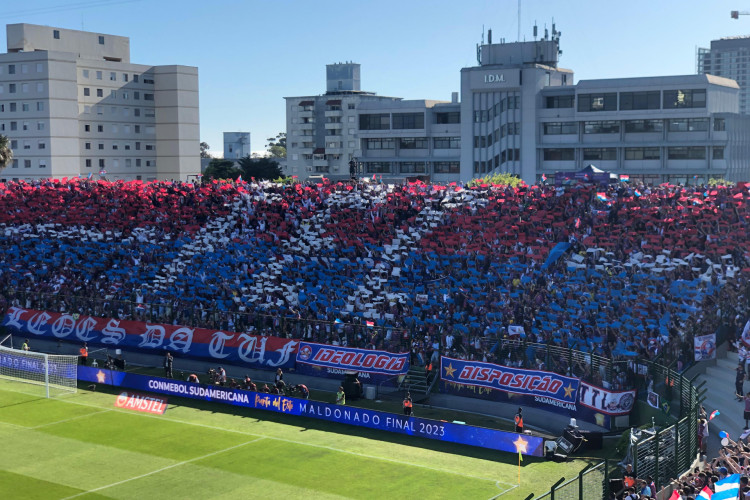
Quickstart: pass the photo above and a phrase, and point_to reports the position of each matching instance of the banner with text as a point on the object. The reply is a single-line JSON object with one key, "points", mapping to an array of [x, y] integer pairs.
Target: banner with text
{"points": [[320, 360], [200, 343], [391, 422], [599, 405]]}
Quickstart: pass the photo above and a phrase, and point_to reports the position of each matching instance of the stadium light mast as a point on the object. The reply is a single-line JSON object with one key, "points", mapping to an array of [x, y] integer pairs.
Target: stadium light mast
{"points": [[735, 14]]}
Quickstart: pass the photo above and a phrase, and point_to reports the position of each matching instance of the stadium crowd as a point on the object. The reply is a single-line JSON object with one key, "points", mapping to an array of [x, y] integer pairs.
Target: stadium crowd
{"points": [[625, 271]]}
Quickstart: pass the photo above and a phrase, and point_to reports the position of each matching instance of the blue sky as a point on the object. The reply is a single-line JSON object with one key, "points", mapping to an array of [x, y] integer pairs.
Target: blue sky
{"points": [[251, 54]]}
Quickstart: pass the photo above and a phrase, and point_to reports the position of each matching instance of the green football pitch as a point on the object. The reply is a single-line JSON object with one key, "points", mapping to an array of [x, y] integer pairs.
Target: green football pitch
{"points": [[81, 446]]}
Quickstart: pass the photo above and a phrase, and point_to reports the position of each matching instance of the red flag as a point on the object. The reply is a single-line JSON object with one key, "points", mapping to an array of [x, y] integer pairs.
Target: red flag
{"points": [[676, 495], [738, 196]]}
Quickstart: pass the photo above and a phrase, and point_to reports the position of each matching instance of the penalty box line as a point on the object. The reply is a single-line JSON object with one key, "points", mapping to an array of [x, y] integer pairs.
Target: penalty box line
{"points": [[363, 455], [178, 464]]}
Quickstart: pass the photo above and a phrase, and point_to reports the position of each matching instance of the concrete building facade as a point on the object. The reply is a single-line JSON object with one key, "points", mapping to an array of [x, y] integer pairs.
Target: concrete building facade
{"points": [[236, 145], [73, 104], [729, 57]]}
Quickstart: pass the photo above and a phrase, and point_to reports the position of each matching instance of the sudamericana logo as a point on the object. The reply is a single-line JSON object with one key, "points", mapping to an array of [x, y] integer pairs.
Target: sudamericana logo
{"points": [[305, 352]]}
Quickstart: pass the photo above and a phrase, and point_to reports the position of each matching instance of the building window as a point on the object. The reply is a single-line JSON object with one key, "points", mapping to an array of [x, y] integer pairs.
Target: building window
{"points": [[374, 121], [25, 88], [642, 154], [113, 76], [11, 69], [599, 154], [42, 163], [26, 145], [101, 40], [40, 125], [128, 162], [11, 88], [40, 105], [378, 167], [101, 163], [695, 98], [636, 126], [113, 94], [560, 128], [99, 93], [560, 101], [413, 167], [719, 125], [87, 145], [13, 126], [137, 129], [137, 162], [87, 128], [148, 97], [559, 154], [688, 125], [40, 87], [27, 164], [88, 162], [100, 128], [403, 121], [56, 34], [148, 80], [124, 77], [135, 78], [448, 117], [85, 73], [603, 127], [41, 145], [640, 100], [98, 75], [446, 142], [12, 107], [686, 153], [597, 102], [447, 167], [412, 143], [86, 91], [717, 153], [15, 163], [137, 96], [101, 146], [114, 146], [136, 111]]}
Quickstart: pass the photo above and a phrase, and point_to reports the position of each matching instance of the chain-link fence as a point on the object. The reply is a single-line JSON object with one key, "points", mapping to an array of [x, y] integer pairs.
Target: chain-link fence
{"points": [[666, 454], [590, 483]]}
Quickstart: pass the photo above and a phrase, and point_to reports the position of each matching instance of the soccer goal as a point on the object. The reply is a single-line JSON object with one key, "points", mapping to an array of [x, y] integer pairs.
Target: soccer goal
{"points": [[49, 374]]}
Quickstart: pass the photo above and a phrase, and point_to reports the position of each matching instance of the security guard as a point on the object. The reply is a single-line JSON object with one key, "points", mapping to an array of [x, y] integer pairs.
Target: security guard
{"points": [[408, 404], [519, 421], [84, 351], [341, 396]]}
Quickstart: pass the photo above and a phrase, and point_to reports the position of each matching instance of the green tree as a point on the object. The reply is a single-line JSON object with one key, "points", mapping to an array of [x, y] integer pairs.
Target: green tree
{"points": [[221, 169], [260, 168], [204, 150], [277, 145], [6, 154], [503, 179]]}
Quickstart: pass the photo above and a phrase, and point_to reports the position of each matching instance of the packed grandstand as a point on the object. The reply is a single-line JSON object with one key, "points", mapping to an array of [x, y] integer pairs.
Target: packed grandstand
{"points": [[623, 272]]}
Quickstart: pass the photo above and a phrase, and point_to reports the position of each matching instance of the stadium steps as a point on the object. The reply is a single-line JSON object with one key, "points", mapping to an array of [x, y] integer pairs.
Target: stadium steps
{"points": [[415, 381], [720, 396]]}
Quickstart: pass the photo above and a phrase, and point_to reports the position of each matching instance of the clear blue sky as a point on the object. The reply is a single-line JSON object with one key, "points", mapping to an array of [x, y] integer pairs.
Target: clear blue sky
{"points": [[251, 54]]}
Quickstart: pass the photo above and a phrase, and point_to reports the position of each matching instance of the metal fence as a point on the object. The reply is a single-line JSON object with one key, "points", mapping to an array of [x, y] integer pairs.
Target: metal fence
{"points": [[590, 483]]}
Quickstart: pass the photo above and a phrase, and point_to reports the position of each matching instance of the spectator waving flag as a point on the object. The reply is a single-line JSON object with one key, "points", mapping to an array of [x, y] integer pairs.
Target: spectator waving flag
{"points": [[676, 495], [602, 196], [624, 178], [637, 193], [727, 489], [544, 178], [370, 323], [714, 414], [578, 222]]}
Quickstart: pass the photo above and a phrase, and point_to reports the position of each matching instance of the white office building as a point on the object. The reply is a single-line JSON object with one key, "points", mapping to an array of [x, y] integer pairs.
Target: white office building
{"points": [[236, 145], [522, 114], [72, 103]]}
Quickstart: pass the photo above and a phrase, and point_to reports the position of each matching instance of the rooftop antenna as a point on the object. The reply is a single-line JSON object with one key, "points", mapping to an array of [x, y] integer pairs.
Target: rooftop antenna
{"points": [[535, 31], [518, 39]]}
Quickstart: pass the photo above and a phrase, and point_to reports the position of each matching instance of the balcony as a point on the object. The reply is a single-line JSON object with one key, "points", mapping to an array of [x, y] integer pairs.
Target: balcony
{"points": [[305, 114], [334, 125], [336, 112], [307, 126]]}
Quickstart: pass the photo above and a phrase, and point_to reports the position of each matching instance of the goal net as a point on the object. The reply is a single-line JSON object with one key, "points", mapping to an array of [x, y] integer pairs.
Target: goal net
{"points": [[48, 374]]}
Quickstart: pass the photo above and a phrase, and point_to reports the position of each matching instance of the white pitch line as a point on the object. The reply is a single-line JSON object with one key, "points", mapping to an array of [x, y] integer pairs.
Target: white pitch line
{"points": [[162, 417], [498, 483], [69, 419], [162, 469]]}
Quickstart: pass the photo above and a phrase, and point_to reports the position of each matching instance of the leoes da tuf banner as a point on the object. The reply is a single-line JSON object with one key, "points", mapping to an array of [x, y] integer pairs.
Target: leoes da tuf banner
{"points": [[705, 347]]}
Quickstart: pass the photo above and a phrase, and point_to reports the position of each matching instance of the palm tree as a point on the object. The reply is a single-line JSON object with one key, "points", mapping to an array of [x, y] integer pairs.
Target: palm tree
{"points": [[6, 154]]}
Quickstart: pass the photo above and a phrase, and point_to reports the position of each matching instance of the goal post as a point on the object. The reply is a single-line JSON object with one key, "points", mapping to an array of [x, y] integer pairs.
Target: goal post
{"points": [[52, 374]]}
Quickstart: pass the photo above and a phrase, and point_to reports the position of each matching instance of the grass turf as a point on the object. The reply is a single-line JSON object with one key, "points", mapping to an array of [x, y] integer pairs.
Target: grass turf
{"points": [[81, 446]]}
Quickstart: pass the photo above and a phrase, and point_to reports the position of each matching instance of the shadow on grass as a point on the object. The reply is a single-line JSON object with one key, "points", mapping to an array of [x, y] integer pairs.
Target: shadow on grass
{"points": [[307, 423]]}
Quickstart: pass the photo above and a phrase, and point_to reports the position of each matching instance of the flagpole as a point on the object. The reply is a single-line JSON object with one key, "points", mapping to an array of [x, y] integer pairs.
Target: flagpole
{"points": [[519, 468]]}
